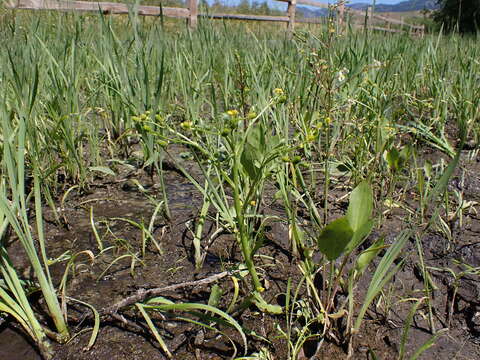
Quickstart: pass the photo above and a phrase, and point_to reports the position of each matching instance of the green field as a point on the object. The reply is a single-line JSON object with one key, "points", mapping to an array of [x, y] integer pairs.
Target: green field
{"points": [[233, 192]]}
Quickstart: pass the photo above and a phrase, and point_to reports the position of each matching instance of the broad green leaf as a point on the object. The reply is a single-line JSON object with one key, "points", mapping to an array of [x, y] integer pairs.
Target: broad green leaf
{"points": [[361, 206], [334, 238], [359, 236]]}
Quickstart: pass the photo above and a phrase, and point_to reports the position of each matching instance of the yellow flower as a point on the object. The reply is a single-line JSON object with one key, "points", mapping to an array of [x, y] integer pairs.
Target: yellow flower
{"points": [[253, 203], [278, 91], [310, 138], [232, 113], [328, 120], [186, 125]]}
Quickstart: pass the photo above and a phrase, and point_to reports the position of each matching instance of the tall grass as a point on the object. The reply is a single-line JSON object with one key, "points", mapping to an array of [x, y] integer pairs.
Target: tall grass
{"points": [[264, 116]]}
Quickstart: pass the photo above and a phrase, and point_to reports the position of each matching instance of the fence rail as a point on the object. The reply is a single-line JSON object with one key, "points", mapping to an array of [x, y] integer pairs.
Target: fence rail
{"points": [[245, 17], [104, 7], [191, 13], [398, 22]]}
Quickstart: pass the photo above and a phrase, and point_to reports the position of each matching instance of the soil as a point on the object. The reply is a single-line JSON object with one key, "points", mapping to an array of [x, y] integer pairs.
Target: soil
{"points": [[107, 280]]}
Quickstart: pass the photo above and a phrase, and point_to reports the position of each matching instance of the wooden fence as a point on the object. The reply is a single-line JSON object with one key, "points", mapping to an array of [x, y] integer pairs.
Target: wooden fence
{"points": [[343, 14]]}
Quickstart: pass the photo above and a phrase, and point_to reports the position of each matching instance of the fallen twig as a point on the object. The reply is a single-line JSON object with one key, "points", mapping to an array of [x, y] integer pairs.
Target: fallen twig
{"points": [[143, 294]]}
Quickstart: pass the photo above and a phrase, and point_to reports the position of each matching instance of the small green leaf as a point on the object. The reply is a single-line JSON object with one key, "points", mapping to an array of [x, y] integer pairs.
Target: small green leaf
{"points": [[215, 295], [103, 169], [361, 206], [334, 238], [248, 158], [393, 159], [405, 154], [428, 168], [187, 155]]}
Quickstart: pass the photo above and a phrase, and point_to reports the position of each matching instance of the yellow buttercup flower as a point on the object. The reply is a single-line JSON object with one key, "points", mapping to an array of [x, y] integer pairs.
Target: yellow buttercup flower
{"points": [[186, 125], [232, 113]]}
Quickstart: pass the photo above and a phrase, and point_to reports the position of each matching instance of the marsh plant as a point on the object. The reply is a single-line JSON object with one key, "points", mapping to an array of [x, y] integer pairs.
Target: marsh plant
{"points": [[336, 133]]}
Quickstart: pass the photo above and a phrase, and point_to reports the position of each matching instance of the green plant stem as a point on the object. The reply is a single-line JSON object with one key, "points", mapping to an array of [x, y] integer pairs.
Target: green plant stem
{"points": [[243, 235]]}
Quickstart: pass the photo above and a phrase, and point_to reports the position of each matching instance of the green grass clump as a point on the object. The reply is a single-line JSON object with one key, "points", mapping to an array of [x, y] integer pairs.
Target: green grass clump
{"points": [[266, 118]]}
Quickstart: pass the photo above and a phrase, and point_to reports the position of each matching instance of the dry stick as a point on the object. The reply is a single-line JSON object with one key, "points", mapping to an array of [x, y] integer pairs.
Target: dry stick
{"points": [[128, 324], [142, 294]]}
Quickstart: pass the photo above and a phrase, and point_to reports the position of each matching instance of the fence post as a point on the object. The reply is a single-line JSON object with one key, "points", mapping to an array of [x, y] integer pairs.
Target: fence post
{"points": [[341, 15], [369, 17], [192, 18], [291, 16]]}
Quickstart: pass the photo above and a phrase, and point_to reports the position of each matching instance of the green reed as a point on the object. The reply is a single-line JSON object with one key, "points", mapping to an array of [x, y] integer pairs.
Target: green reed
{"points": [[268, 120]]}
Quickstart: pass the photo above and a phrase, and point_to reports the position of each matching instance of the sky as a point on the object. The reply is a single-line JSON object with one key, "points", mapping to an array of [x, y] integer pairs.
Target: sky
{"points": [[281, 5]]}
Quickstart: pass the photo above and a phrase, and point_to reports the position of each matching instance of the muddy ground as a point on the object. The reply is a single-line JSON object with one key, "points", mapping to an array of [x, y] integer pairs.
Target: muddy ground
{"points": [[455, 302]]}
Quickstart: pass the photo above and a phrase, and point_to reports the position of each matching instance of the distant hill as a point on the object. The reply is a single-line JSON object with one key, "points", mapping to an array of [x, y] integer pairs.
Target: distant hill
{"points": [[408, 5], [309, 12]]}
